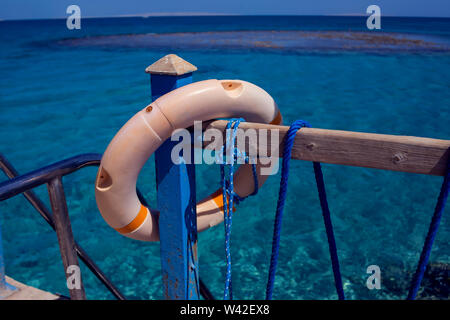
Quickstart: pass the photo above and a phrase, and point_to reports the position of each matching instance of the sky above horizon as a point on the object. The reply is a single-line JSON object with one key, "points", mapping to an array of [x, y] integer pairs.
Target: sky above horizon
{"points": [[41, 9]]}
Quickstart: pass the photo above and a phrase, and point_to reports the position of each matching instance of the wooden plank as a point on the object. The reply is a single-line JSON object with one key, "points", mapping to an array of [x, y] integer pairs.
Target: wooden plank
{"points": [[24, 292], [176, 196], [380, 151]]}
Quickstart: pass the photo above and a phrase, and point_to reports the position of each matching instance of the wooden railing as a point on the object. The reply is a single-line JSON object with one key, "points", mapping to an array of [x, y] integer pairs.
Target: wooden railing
{"points": [[176, 190], [370, 150]]}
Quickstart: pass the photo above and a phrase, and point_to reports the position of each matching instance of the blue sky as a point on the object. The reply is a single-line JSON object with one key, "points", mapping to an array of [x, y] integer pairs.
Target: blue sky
{"points": [[35, 9]]}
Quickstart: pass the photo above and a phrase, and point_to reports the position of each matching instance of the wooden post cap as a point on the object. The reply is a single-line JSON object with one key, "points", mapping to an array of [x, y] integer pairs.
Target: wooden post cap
{"points": [[171, 65]]}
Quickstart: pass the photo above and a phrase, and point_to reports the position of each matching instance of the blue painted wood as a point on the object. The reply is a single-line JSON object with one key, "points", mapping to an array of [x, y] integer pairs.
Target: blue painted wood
{"points": [[161, 84], [177, 205]]}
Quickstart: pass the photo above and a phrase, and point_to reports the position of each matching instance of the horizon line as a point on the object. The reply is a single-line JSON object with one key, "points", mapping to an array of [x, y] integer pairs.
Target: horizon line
{"points": [[214, 14]]}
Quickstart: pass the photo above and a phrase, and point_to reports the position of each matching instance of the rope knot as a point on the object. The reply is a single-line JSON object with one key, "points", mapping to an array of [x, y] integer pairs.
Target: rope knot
{"points": [[229, 196]]}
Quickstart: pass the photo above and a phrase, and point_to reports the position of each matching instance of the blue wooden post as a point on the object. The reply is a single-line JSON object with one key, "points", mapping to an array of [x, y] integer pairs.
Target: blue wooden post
{"points": [[176, 194]]}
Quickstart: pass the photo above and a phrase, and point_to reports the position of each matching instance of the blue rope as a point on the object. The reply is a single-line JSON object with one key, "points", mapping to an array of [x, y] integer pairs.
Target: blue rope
{"points": [[289, 142], [434, 225], [228, 192], [329, 230]]}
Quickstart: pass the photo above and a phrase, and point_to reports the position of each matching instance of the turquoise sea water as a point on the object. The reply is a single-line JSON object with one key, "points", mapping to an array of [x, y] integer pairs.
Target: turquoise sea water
{"points": [[59, 100]]}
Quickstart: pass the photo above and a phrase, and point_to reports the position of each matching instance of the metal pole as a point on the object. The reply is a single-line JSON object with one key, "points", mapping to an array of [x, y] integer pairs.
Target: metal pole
{"points": [[2, 268], [40, 207], [65, 239], [176, 195], [5, 288]]}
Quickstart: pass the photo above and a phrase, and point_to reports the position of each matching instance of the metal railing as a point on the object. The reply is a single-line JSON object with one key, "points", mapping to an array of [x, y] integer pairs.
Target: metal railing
{"points": [[59, 220]]}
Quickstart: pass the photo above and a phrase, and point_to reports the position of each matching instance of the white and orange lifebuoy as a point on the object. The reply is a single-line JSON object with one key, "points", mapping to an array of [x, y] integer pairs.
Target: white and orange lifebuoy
{"points": [[115, 187]]}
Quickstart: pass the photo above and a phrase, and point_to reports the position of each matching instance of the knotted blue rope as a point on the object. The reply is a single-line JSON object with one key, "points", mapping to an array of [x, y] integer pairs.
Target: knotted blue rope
{"points": [[288, 143], [434, 225], [228, 192]]}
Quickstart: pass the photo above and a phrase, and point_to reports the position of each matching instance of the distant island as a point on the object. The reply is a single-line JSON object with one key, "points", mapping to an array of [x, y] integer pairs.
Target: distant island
{"points": [[273, 40]]}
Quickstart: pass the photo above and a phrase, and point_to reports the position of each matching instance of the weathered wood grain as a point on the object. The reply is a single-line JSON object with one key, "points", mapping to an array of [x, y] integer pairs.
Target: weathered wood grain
{"points": [[171, 65], [380, 151]]}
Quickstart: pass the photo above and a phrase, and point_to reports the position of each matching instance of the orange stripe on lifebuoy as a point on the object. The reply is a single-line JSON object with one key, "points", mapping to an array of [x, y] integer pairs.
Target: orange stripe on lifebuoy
{"points": [[136, 223], [278, 119], [218, 199]]}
